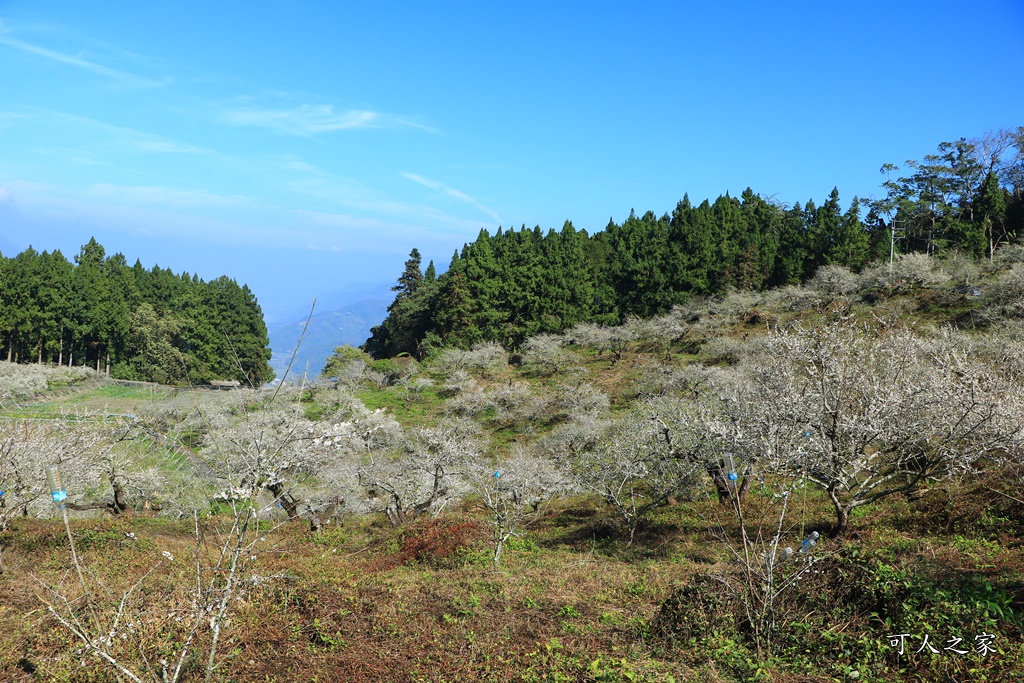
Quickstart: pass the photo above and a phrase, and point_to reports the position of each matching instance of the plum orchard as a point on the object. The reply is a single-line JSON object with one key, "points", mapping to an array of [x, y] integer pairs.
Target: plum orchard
{"points": [[866, 413]]}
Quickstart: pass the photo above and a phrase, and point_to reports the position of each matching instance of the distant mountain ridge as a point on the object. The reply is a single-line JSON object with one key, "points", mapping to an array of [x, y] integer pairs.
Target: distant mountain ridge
{"points": [[347, 324]]}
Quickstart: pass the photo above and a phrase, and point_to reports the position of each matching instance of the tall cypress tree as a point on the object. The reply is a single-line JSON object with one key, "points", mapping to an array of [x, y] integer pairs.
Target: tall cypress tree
{"points": [[823, 229], [789, 266], [730, 243], [454, 317], [55, 305], [990, 214], [849, 245], [409, 315], [410, 278]]}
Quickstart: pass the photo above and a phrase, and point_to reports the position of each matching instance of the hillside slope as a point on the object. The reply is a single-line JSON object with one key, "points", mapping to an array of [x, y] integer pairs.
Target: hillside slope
{"points": [[623, 560]]}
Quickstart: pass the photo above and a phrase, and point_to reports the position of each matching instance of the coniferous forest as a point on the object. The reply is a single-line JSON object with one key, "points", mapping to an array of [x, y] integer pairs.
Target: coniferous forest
{"points": [[968, 197], [129, 322]]}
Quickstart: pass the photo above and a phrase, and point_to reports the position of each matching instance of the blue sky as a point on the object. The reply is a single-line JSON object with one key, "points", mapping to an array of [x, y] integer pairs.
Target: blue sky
{"points": [[302, 147]]}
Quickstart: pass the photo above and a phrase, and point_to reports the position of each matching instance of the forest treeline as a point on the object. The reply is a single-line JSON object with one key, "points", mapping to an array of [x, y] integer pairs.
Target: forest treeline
{"points": [[129, 322], [506, 287]]}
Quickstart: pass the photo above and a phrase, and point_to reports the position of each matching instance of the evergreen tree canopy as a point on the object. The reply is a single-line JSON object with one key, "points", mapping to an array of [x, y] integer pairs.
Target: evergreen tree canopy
{"points": [[130, 322], [519, 283]]}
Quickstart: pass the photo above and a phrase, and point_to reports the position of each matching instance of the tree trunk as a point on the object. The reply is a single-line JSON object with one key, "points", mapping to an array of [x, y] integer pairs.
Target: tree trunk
{"points": [[745, 486], [725, 489], [721, 486], [842, 514], [842, 520], [119, 503], [60, 356], [40, 361], [82, 507], [289, 502], [108, 363], [331, 511]]}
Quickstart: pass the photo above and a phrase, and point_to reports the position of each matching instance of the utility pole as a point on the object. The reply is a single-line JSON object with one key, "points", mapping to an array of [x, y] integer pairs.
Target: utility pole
{"points": [[892, 243]]}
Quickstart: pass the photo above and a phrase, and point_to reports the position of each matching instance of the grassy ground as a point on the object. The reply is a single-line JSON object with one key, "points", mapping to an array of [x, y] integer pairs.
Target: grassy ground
{"points": [[94, 399], [362, 601]]}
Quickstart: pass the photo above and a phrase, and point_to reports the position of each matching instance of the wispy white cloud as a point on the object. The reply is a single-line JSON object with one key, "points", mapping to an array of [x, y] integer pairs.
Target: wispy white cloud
{"points": [[77, 62], [340, 221], [136, 140], [160, 212], [159, 146], [5, 195], [179, 198], [304, 120], [350, 193], [355, 196], [8, 118], [378, 235], [453, 193], [310, 119], [317, 247], [301, 166], [72, 155]]}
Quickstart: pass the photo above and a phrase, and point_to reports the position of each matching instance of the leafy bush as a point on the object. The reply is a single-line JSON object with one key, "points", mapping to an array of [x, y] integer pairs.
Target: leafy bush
{"points": [[439, 543], [697, 613], [384, 372], [345, 363]]}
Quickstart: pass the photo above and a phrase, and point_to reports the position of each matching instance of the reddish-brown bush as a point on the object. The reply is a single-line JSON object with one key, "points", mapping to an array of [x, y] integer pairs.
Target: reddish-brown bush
{"points": [[438, 543]]}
